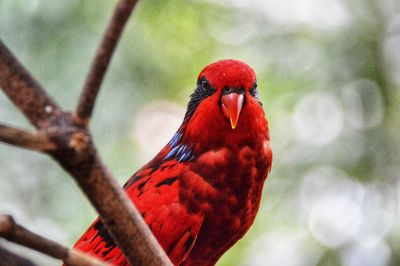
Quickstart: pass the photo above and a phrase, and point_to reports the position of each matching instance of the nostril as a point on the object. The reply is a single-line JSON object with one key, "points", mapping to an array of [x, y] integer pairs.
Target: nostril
{"points": [[230, 90], [227, 90]]}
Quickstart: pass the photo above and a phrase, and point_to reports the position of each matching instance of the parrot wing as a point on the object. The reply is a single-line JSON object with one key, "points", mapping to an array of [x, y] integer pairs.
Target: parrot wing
{"points": [[154, 189]]}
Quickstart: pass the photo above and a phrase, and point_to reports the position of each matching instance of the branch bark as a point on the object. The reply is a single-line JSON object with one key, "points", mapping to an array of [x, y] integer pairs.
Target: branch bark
{"points": [[14, 232], [117, 212], [25, 139], [102, 60], [75, 150], [26, 93]]}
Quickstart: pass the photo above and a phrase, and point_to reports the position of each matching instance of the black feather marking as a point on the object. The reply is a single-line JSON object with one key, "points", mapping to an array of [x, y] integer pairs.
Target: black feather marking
{"points": [[105, 253], [254, 93], [167, 181], [171, 248], [188, 243], [155, 165], [162, 168], [141, 185], [105, 236], [135, 178], [202, 91], [180, 151]]}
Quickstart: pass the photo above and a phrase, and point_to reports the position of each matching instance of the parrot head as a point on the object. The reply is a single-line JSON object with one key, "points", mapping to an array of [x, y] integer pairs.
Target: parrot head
{"points": [[225, 102]]}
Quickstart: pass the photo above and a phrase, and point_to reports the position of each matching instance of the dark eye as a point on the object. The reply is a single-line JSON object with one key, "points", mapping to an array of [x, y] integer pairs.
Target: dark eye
{"points": [[254, 91], [206, 87]]}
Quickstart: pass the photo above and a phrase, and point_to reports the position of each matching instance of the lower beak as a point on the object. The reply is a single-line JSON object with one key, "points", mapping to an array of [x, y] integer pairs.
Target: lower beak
{"points": [[232, 104]]}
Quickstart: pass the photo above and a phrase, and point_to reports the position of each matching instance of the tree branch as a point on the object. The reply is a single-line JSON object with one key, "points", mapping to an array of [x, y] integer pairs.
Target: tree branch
{"points": [[25, 91], [102, 60], [75, 150], [14, 232], [9, 258], [121, 218], [25, 139]]}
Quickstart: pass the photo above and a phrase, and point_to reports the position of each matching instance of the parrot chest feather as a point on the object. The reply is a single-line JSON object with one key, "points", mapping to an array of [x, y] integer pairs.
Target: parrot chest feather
{"points": [[226, 186]]}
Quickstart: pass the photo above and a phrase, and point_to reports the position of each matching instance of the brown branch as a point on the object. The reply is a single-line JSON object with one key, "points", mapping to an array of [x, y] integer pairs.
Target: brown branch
{"points": [[14, 232], [102, 60], [25, 91], [75, 151], [25, 139], [121, 218], [9, 258]]}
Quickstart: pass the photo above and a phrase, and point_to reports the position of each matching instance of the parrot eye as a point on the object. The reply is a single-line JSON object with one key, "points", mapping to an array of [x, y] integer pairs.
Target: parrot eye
{"points": [[254, 91], [205, 85]]}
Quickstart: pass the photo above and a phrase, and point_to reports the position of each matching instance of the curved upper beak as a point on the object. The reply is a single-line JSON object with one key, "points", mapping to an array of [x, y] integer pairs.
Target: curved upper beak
{"points": [[232, 104]]}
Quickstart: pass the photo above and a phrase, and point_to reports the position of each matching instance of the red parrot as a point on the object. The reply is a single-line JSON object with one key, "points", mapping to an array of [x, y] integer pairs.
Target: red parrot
{"points": [[201, 192]]}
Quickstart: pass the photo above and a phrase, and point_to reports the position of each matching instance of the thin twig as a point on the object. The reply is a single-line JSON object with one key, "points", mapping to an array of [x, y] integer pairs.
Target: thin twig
{"points": [[26, 93], [25, 139], [102, 60], [14, 232]]}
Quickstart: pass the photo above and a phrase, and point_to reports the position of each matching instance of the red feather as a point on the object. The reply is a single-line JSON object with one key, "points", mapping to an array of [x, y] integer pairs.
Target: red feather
{"points": [[201, 193]]}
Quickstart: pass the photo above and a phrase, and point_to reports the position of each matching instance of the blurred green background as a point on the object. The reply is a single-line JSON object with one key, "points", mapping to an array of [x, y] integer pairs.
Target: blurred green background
{"points": [[329, 78]]}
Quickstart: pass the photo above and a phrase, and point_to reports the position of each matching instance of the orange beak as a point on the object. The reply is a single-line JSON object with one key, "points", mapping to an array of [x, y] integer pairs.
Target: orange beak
{"points": [[232, 104]]}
